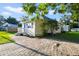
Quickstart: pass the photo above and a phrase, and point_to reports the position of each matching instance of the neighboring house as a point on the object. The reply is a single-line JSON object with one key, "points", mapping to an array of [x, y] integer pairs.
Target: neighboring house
{"points": [[75, 27], [10, 27], [2, 28]]}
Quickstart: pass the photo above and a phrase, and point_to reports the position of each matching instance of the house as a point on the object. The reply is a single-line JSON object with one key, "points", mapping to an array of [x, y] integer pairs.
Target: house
{"points": [[39, 27], [10, 27], [2, 28], [75, 27]]}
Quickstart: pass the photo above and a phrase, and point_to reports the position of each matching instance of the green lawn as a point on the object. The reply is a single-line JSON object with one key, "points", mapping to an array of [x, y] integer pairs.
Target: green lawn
{"points": [[68, 36], [5, 37]]}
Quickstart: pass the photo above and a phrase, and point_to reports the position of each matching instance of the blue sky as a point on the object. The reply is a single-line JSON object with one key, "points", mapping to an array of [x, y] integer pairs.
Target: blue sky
{"points": [[11, 9], [15, 10]]}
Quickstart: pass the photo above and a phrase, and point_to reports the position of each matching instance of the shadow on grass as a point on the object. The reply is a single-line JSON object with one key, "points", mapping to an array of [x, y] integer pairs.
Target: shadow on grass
{"points": [[8, 39], [12, 32], [67, 37]]}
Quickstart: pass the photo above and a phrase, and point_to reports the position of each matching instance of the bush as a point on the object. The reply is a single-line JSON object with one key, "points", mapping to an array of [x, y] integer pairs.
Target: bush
{"points": [[19, 25]]}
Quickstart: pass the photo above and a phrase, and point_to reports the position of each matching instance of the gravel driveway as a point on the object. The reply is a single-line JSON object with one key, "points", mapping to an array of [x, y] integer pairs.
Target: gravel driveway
{"points": [[26, 46]]}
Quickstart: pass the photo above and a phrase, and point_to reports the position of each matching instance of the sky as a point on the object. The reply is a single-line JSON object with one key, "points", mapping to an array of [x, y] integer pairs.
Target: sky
{"points": [[11, 9], [15, 10]]}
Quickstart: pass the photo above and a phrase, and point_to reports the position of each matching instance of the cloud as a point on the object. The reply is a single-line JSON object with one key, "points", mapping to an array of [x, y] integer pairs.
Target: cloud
{"points": [[14, 9], [6, 13]]}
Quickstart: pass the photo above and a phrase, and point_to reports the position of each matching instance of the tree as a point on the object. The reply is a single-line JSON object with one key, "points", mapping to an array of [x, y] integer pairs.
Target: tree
{"points": [[29, 8], [12, 20], [2, 20], [43, 8]]}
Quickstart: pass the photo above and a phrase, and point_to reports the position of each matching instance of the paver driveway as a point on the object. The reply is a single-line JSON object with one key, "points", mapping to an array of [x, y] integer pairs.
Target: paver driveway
{"points": [[26, 46]]}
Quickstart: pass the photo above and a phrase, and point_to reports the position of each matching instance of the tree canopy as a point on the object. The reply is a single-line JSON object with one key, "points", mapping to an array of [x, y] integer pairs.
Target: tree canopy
{"points": [[12, 20], [43, 8]]}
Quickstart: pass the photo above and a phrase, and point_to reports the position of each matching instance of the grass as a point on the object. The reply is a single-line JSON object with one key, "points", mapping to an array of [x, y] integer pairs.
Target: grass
{"points": [[5, 37], [68, 36]]}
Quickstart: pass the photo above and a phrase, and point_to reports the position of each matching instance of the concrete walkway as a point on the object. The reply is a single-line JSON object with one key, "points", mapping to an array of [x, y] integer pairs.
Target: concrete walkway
{"points": [[26, 46]]}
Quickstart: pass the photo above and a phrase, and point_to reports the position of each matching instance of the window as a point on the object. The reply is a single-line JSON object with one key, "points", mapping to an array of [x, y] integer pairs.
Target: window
{"points": [[30, 25]]}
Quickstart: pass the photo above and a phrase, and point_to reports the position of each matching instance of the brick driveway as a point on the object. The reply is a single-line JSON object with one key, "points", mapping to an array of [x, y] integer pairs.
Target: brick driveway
{"points": [[26, 46]]}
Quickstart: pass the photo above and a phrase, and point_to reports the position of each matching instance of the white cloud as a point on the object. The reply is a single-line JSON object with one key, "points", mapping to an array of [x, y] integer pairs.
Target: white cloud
{"points": [[6, 13], [13, 9]]}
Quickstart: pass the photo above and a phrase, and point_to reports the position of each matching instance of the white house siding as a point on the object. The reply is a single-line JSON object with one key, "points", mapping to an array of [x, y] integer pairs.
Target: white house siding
{"points": [[30, 31], [66, 27], [34, 30], [22, 29]]}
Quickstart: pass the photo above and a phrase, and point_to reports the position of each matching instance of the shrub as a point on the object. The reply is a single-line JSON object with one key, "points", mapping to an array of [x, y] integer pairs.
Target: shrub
{"points": [[19, 25]]}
